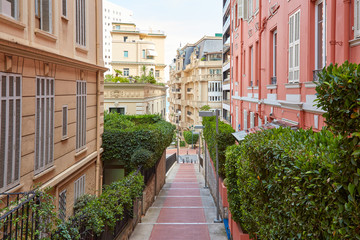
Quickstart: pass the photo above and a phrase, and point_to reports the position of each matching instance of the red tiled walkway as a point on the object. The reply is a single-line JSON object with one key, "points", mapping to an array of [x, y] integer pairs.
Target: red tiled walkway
{"points": [[182, 215]]}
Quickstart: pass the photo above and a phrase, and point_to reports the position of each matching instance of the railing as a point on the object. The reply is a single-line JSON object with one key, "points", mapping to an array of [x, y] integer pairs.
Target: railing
{"points": [[170, 161], [201, 161], [316, 75], [273, 80], [20, 221]]}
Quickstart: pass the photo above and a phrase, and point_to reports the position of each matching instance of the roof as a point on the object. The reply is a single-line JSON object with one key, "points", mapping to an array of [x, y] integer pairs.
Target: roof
{"points": [[239, 136]]}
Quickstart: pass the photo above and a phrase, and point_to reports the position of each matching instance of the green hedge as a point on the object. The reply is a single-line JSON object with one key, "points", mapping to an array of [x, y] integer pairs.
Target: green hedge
{"points": [[135, 140], [224, 139], [338, 93], [191, 138], [284, 184], [94, 214]]}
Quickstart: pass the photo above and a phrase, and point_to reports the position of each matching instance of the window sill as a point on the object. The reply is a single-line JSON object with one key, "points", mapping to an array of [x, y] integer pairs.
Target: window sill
{"points": [[12, 190], [292, 85], [81, 152], [43, 173], [354, 42], [81, 49], [64, 139], [310, 85], [271, 86], [45, 35], [12, 22], [64, 18]]}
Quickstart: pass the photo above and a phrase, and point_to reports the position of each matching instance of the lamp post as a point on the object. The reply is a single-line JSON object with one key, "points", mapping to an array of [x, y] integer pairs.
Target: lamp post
{"points": [[210, 114], [192, 136]]}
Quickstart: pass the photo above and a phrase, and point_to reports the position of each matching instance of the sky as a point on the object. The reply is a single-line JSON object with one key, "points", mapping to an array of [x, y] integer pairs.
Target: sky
{"points": [[184, 21]]}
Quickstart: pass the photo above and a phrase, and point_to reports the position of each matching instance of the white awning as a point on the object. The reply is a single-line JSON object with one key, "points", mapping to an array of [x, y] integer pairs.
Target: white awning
{"points": [[151, 53]]}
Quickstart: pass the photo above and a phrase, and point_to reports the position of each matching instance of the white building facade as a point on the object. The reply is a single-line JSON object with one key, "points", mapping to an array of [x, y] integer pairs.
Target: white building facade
{"points": [[112, 13]]}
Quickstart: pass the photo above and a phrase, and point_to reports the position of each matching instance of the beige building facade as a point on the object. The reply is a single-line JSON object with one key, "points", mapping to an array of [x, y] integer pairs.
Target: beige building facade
{"points": [[133, 48], [51, 92], [195, 81], [135, 98]]}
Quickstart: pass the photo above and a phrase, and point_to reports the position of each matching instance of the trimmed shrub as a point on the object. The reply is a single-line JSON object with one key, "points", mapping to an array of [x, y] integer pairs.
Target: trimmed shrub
{"points": [[338, 93], [284, 184], [191, 138], [224, 139], [125, 135]]}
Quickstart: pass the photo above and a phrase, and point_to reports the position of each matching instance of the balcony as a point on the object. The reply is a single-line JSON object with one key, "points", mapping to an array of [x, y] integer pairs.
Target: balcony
{"points": [[226, 25], [316, 75], [189, 113], [226, 101], [190, 91], [226, 66], [226, 6]]}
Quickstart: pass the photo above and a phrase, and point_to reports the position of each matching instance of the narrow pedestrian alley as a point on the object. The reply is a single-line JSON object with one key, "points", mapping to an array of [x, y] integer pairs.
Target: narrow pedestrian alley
{"points": [[184, 209]]}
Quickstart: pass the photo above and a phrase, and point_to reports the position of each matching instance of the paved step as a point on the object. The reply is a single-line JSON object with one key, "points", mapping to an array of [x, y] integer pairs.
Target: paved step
{"points": [[184, 210]]}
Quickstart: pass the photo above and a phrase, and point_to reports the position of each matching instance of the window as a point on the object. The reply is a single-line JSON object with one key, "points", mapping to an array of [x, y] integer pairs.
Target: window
{"points": [[320, 35], [44, 129], [10, 130], [250, 8], [80, 22], [64, 8], [242, 9], [80, 115], [357, 18], [143, 53], [125, 38], [274, 56], [245, 120], [79, 187], [9, 8], [119, 110], [43, 13], [126, 72], [62, 205], [294, 47], [64, 121], [251, 66], [126, 54], [157, 73]]}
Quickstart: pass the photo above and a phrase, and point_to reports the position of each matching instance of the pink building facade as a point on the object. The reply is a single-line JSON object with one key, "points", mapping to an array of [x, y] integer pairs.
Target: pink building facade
{"points": [[277, 47]]}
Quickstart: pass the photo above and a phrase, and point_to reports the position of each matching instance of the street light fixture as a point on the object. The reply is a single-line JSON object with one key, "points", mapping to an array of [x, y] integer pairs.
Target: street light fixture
{"points": [[211, 114]]}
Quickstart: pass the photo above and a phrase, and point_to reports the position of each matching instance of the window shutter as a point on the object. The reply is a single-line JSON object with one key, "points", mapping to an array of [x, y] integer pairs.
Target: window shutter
{"points": [[357, 19], [294, 47], [245, 120], [64, 8], [240, 9], [64, 121], [259, 122], [62, 205], [252, 118], [46, 15]]}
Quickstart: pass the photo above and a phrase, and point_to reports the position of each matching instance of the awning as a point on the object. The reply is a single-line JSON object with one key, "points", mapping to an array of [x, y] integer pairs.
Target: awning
{"points": [[239, 136], [151, 53]]}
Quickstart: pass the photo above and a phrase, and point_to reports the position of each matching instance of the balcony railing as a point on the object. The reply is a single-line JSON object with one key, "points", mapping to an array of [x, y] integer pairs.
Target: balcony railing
{"points": [[273, 80], [21, 221], [316, 75]]}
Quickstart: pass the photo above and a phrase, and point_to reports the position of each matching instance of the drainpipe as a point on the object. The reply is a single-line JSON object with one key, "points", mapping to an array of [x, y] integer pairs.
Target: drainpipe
{"points": [[241, 72], [346, 29], [333, 30], [261, 27], [98, 31]]}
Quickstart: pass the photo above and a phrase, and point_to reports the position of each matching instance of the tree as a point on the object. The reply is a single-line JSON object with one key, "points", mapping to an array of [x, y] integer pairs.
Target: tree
{"points": [[191, 138]]}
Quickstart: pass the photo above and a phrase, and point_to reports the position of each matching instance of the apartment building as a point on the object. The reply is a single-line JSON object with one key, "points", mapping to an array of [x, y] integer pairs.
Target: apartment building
{"points": [[135, 50], [135, 98], [226, 69], [51, 86], [195, 81], [112, 13], [278, 47]]}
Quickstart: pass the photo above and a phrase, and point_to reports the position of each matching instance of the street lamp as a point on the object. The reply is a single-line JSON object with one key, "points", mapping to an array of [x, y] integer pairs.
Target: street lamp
{"points": [[211, 114]]}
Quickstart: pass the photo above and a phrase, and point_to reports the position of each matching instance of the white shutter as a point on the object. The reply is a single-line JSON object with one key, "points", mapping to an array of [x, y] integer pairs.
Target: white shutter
{"points": [[64, 121], [245, 120], [294, 47], [252, 118], [357, 18], [240, 9], [79, 187], [265, 120], [259, 122]]}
